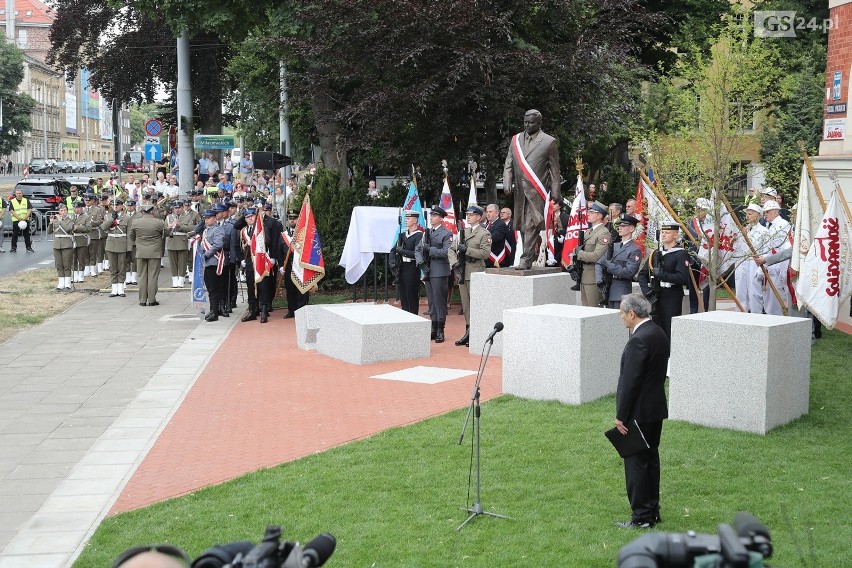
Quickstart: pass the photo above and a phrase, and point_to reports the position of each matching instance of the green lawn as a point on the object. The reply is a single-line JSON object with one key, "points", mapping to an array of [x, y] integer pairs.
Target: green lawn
{"points": [[395, 499]]}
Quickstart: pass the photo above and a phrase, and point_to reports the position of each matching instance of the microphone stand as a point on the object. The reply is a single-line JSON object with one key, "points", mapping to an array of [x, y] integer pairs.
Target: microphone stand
{"points": [[475, 410]]}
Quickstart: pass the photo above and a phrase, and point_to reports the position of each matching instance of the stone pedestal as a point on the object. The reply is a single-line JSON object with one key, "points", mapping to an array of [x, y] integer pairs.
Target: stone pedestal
{"points": [[491, 294], [747, 372], [560, 352], [362, 333]]}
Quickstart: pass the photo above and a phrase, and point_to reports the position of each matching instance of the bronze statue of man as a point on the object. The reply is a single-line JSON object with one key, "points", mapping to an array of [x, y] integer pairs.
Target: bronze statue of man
{"points": [[533, 165]]}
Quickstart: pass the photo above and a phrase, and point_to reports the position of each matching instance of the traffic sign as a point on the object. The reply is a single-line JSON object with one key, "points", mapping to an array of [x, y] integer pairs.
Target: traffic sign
{"points": [[153, 152], [172, 137], [153, 127], [214, 142], [152, 140]]}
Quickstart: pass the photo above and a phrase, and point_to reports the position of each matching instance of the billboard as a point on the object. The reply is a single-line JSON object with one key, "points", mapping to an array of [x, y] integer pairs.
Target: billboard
{"points": [[90, 99], [106, 121], [70, 109]]}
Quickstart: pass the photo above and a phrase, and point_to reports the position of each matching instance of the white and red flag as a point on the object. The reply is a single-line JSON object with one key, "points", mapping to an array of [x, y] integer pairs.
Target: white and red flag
{"points": [[730, 247], [809, 212], [825, 275], [650, 213], [446, 203], [578, 222], [260, 256]]}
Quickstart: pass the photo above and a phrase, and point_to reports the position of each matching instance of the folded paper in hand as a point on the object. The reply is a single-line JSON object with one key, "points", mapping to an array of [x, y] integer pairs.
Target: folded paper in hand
{"points": [[628, 444]]}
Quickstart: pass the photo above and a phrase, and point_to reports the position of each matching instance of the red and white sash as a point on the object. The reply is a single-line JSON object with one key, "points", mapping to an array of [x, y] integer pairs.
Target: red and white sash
{"points": [[534, 181], [220, 258]]}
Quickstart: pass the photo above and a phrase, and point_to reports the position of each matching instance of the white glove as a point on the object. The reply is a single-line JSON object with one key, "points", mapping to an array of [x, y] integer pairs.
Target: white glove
{"points": [[282, 271], [560, 239], [243, 263]]}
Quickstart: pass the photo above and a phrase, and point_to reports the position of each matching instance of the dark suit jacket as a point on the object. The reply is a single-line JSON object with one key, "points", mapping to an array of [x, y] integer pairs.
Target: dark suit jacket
{"points": [[500, 233], [542, 156], [641, 395]]}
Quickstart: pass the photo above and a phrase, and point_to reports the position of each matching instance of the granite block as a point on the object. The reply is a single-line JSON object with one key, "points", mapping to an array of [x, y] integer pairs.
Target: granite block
{"points": [[491, 294], [747, 372], [366, 333], [560, 352]]}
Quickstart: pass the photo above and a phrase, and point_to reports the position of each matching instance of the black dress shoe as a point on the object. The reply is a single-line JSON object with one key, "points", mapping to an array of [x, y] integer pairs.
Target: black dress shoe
{"points": [[576, 287], [30, 250], [143, 303], [249, 315], [111, 295], [211, 317], [289, 315], [13, 250], [635, 524], [153, 303]]}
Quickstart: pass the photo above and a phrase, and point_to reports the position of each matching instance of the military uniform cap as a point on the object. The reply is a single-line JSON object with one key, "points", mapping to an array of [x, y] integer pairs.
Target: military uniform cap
{"points": [[147, 208], [131, 202], [771, 205], [598, 208], [210, 213], [218, 208], [267, 207], [104, 196], [89, 196], [475, 209], [79, 203], [250, 211], [119, 201], [232, 205], [438, 211], [177, 203], [411, 213], [669, 226], [629, 220], [292, 215]]}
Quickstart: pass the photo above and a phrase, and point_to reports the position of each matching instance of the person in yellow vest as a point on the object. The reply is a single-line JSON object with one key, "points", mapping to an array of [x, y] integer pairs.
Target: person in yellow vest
{"points": [[22, 211], [62, 227], [69, 201]]}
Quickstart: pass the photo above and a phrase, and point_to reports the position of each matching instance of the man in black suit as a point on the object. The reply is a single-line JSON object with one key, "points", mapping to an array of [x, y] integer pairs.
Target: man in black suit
{"points": [[640, 402], [500, 233]]}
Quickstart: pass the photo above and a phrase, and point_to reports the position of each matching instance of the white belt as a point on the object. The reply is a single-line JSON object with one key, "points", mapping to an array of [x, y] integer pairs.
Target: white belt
{"points": [[179, 234], [69, 236], [406, 259], [666, 284], [115, 236]]}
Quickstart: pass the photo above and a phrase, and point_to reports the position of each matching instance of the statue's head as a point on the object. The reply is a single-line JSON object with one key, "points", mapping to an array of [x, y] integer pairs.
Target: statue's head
{"points": [[532, 121]]}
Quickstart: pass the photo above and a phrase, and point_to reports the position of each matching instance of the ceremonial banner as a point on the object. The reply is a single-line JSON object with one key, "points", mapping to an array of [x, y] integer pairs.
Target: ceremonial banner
{"points": [[650, 212], [729, 243], [578, 222], [471, 198], [446, 203], [308, 263], [809, 214], [260, 258], [825, 278], [412, 202], [199, 292]]}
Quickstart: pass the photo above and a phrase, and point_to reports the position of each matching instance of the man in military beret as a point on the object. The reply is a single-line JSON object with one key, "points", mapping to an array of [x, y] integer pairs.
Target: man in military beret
{"points": [[473, 247]]}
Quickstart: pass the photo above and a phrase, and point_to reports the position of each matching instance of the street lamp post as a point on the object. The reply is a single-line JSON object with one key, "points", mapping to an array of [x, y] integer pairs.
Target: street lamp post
{"points": [[43, 94]]}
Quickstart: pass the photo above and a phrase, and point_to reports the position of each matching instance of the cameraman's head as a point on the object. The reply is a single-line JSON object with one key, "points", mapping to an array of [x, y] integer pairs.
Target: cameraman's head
{"points": [[158, 556]]}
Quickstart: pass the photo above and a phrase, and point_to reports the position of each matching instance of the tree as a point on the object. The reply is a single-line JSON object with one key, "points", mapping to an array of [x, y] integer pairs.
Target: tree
{"points": [[712, 102], [16, 106]]}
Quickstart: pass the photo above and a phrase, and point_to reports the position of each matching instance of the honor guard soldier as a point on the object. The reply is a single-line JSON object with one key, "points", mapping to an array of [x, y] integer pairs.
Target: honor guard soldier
{"points": [[595, 245], [245, 229], [148, 233], [466, 256], [663, 277], [409, 272], [213, 244], [96, 215], [620, 267], [434, 248], [130, 267], [106, 204], [115, 225], [778, 232], [295, 298], [62, 228], [82, 226], [178, 227]]}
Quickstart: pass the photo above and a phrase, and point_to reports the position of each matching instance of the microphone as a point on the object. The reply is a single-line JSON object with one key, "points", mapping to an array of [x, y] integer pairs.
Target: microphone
{"points": [[498, 327], [317, 551]]}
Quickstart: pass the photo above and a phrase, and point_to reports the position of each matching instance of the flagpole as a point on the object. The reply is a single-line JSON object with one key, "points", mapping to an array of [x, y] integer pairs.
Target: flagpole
{"points": [[754, 253], [842, 199], [668, 207], [812, 175]]}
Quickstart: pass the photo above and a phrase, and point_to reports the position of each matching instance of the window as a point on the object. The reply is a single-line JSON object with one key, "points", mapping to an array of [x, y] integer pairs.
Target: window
{"points": [[22, 38]]}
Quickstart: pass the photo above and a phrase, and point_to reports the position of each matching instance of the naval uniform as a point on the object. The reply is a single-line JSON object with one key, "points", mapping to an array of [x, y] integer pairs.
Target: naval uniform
{"points": [[669, 268], [409, 272]]}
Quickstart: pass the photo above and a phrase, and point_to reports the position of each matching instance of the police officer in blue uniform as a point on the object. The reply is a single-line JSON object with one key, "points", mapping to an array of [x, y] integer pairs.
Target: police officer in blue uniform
{"points": [[435, 245], [622, 265]]}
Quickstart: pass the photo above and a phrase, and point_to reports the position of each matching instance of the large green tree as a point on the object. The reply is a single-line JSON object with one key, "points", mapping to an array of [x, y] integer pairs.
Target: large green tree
{"points": [[16, 106]]}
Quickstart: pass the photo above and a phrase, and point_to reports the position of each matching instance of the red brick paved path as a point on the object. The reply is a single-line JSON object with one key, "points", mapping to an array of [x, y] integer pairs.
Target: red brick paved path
{"points": [[262, 401]]}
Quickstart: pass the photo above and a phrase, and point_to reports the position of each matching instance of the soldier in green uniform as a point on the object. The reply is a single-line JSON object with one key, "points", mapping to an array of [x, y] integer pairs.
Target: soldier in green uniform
{"points": [[115, 224], [62, 228], [595, 245], [80, 229], [96, 216], [177, 229], [475, 249], [148, 233], [130, 263]]}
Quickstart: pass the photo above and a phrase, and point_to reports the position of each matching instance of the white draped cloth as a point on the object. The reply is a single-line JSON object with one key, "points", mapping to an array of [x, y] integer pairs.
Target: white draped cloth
{"points": [[371, 230]]}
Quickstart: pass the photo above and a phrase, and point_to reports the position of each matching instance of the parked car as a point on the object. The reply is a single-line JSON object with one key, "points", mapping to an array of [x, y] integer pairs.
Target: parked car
{"points": [[88, 166], [45, 195], [100, 167], [64, 166], [40, 166]]}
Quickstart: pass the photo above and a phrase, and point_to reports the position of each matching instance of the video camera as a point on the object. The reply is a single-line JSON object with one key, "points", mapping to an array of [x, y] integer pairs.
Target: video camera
{"points": [[269, 553], [744, 546]]}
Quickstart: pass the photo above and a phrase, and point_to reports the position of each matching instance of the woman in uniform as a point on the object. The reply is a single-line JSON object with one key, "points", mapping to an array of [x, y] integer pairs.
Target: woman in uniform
{"points": [[62, 228]]}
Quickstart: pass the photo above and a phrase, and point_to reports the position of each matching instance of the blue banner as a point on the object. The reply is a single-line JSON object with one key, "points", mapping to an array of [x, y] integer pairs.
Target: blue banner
{"points": [[199, 292]]}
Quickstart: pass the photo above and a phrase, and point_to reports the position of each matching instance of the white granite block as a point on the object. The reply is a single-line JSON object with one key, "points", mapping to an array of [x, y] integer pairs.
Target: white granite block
{"points": [[559, 352], [747, 372], [367, 333], [491, 294], [307, 325]]}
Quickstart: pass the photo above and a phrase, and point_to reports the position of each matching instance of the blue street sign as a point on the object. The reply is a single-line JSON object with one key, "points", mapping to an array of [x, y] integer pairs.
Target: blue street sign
{"points": [[153, 152]]}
